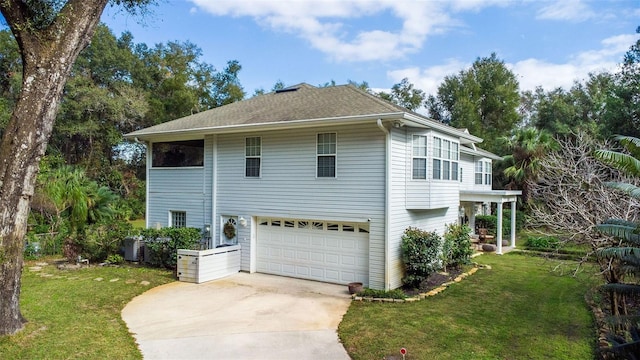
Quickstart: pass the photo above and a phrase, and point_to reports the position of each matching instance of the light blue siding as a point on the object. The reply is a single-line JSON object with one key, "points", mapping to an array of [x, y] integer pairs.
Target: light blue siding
{"points": [[176, 189], [288, 186]]}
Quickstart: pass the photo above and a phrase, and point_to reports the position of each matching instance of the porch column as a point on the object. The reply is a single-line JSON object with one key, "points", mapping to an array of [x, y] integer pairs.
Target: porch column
{"points": [[472, 218], [513, 224], [499, 230]]}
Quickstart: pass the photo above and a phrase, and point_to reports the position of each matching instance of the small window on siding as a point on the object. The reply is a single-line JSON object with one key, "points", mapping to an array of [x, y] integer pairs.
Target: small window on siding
{"points": [[326, 152], [317, 225], [348, 228], [289, 223], [253, 156], [333, 227], [483, 172], [487, 173], [178, 219], [303, 224], [177, 153], [419, 157], [276, 223]]}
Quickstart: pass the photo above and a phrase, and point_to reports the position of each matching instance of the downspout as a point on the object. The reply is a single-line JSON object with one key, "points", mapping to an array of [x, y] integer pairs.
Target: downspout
{"points": [[214, 191], [387, 205]]}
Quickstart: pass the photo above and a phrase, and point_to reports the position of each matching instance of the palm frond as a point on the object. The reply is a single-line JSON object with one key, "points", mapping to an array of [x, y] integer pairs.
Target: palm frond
{"points": [[620, 161], [626, 188], [627, 233], [628, 289], [618, 252], [616, 221], [632, 144]]}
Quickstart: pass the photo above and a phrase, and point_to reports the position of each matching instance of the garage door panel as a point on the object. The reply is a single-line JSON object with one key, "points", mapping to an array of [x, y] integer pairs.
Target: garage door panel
{"points": [[317, 251]]}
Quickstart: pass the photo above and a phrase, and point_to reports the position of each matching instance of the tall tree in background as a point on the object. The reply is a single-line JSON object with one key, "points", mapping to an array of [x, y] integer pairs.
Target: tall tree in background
{"points": [[405, 94], [528, 146], [50, 35], [483, 99]]}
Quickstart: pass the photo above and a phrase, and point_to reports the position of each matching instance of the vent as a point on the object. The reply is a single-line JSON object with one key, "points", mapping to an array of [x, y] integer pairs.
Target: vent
{"points": [[289, 89]]}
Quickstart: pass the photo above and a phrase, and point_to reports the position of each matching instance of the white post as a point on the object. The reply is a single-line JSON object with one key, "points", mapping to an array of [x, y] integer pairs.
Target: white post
{"points": [[499, 230], [513, 224]]}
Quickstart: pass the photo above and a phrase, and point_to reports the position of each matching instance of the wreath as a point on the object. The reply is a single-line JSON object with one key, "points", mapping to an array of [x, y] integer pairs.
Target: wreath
{"points": [[229, 230]]}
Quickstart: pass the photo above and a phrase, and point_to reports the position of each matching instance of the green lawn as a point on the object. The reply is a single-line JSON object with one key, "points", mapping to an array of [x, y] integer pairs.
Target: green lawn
{"points": [[74, 316], [519, 309]]}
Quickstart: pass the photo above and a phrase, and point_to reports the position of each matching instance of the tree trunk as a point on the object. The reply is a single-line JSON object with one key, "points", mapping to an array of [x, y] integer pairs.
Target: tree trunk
{"points": [[48, 55]]}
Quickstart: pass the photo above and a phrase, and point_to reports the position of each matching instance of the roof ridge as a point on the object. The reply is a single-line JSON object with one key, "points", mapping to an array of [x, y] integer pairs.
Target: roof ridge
{"points": [[376, 98]]}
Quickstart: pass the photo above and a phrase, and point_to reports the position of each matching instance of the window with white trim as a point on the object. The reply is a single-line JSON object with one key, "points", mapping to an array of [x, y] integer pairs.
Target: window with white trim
{"points": [[253, 156], [326, 153], [487, 173], [445, 159], [178, 219], [483, 172], [419, 157]]}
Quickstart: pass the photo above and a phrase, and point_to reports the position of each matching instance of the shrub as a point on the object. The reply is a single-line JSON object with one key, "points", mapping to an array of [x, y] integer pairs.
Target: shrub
{"points": [[421, 254], [102, 240], [490, 222], [163, 244], [383, 294], [542, 242], [459, 245], [115, 259]]}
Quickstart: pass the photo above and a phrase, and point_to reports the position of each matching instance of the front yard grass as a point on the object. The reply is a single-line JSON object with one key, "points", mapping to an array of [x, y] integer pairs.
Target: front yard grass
{"points": [[519, 309], [75, 314]]}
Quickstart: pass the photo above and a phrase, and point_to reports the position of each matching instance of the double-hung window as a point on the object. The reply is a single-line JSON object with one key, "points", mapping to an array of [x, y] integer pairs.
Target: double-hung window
{"points": [[483, 172], [419, 157], [445, 159], [253, 156], [326, 153]]}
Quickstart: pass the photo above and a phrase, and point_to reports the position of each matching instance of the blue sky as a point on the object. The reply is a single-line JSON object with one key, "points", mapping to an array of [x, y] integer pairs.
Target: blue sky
{"points": [[545, 43]]}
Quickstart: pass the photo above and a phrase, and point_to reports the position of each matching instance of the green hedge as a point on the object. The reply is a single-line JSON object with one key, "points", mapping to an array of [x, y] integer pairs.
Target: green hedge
{"points": [[163, 244], [421, 254], [490, 222]]}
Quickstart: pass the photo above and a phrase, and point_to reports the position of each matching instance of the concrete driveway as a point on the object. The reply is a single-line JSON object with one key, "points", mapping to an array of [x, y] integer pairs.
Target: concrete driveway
{"points": [[243, 316]]}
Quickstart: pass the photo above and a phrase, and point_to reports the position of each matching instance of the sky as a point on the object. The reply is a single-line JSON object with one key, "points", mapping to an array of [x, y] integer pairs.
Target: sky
{"points": [[548, 43]]}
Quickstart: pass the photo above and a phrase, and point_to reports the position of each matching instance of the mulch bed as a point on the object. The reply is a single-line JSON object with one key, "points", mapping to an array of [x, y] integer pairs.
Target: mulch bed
{"points": [[434, 280]]}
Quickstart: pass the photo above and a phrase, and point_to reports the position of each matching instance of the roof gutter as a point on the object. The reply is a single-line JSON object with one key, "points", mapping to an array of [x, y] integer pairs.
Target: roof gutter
{"points": [[343, 120], [387, 205], [441, 127]]}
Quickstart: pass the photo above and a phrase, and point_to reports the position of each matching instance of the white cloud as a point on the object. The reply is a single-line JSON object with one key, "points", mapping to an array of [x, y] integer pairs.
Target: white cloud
{"points": [[566, 10], [531, 72], [324, 24]]}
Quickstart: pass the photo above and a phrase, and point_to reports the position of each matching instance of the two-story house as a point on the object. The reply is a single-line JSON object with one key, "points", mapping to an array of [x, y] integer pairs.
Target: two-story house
{"points": [[315, 183]]}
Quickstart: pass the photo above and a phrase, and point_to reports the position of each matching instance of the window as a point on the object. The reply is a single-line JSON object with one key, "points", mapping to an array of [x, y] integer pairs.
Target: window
{"points": [[487, 173], [445, 159], [478, 172], [326, 155], [419, 157], [178, 153], [483, 172], [178, 219], [252, 153]]}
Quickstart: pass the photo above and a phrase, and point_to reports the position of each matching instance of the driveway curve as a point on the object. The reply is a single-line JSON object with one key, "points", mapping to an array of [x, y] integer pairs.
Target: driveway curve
{"points": [[243, 316]]}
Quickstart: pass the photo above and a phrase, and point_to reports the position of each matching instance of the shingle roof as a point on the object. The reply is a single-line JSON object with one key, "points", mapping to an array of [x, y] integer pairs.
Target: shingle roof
{"points": [[299, 102]]}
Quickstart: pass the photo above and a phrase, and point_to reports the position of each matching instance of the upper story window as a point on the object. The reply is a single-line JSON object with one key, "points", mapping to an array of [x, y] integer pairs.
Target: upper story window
{"points": [[178, 219], [253, 156], [178, 153], [483, 172], [419, 157], [445, 159], [326, 152]]}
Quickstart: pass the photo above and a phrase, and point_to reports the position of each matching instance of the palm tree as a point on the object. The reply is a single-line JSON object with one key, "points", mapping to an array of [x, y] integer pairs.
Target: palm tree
{"points": [[624, 259], [528, 146]]}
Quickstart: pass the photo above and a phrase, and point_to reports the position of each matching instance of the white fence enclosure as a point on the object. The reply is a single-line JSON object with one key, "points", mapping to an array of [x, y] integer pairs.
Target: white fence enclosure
{"points": [[198, 266]]}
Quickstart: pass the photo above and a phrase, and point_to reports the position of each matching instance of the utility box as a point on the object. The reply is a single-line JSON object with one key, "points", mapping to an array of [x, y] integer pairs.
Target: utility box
{"points": [[198, 266], [132, 245]]}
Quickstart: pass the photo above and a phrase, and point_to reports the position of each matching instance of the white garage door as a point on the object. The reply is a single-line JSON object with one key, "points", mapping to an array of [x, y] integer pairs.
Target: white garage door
{"points": [[317, 250]]}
